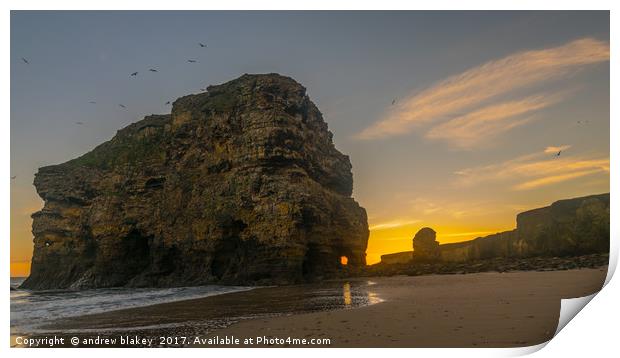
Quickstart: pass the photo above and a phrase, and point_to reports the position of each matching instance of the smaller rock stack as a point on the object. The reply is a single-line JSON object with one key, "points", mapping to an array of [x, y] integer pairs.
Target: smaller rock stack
{"points": [[425, 247]]}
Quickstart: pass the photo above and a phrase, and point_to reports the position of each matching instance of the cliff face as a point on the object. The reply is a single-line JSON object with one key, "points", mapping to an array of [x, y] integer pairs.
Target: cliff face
{"points": [[397, 257], [241, 184], [578, 226], [567, 227], [502, 244]]}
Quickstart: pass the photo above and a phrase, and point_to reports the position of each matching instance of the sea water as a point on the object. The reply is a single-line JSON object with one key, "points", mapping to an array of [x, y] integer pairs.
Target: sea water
{"points": [[30, 309]]}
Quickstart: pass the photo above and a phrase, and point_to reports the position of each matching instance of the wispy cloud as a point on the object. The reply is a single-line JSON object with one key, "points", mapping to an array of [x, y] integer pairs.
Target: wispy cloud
{"points": [[463, 95], [557, 149], [441, 207], [393, 224], [552, 179], [469, 129], [535, 170], [472, 233]]}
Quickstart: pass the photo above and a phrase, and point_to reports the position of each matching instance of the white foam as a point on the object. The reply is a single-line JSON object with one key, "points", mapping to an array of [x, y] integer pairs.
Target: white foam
{"points": [[32, 309]]}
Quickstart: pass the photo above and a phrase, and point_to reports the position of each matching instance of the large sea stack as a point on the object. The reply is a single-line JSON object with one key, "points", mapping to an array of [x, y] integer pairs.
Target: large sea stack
{"points": [[241, 184]]}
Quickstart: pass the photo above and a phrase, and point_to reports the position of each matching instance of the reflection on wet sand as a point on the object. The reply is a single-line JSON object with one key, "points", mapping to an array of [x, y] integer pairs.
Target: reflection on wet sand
{"points": [[346, 293], [373, 298], [370, 299]]}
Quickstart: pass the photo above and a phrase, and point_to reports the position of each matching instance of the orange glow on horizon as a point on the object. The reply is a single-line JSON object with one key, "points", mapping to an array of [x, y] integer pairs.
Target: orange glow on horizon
{"points": [[20, 269], [399, 238], [381, 242]]}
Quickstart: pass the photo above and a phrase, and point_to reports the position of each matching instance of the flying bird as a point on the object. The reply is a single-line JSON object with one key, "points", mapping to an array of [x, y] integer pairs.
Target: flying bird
{"points": [[557, 155], [134, 74], [202, 45], [168, 102], [152, 70], [192, 61], [122, 106], [25, 61], [393, 101], [13, 177], [80, 123]]}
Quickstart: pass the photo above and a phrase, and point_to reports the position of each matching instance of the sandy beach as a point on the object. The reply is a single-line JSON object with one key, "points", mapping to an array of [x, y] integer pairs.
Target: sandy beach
{"points": [[491, 309], [474, 310]]}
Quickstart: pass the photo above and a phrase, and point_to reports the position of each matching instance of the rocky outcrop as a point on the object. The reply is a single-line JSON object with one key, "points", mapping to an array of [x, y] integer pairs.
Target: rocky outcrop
{"points": [[570, 227], [567, 227], [497, 264], [502, 244], [240, 184], [397, 257], [425, 247]]}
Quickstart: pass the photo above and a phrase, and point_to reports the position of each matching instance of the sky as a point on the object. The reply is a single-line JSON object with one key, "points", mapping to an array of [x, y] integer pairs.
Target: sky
{"points": [[483, 102]]}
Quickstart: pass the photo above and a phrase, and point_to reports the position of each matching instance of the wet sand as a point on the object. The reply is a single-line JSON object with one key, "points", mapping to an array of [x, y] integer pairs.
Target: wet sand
{"points": [[514, 309], [491, 309], [197, 317]]}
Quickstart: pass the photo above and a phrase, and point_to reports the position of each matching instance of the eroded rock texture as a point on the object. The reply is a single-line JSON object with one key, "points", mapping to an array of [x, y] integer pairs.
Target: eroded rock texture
{"points": [[570, 227], [241, 184], [425, 247]]}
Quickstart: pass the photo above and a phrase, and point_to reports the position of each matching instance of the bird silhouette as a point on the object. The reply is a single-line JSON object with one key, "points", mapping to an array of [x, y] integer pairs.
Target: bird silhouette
{"points": [[557, 155], [152, 70], [134, 74], [80, 123], [122, 106], [192, 61], [25, 61], [202, 45], [168, 102], [393, 101], [13, 177]]}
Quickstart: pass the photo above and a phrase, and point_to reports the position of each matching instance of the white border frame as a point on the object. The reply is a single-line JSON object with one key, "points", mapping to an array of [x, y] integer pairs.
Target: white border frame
{"points": [[593, 331]]}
